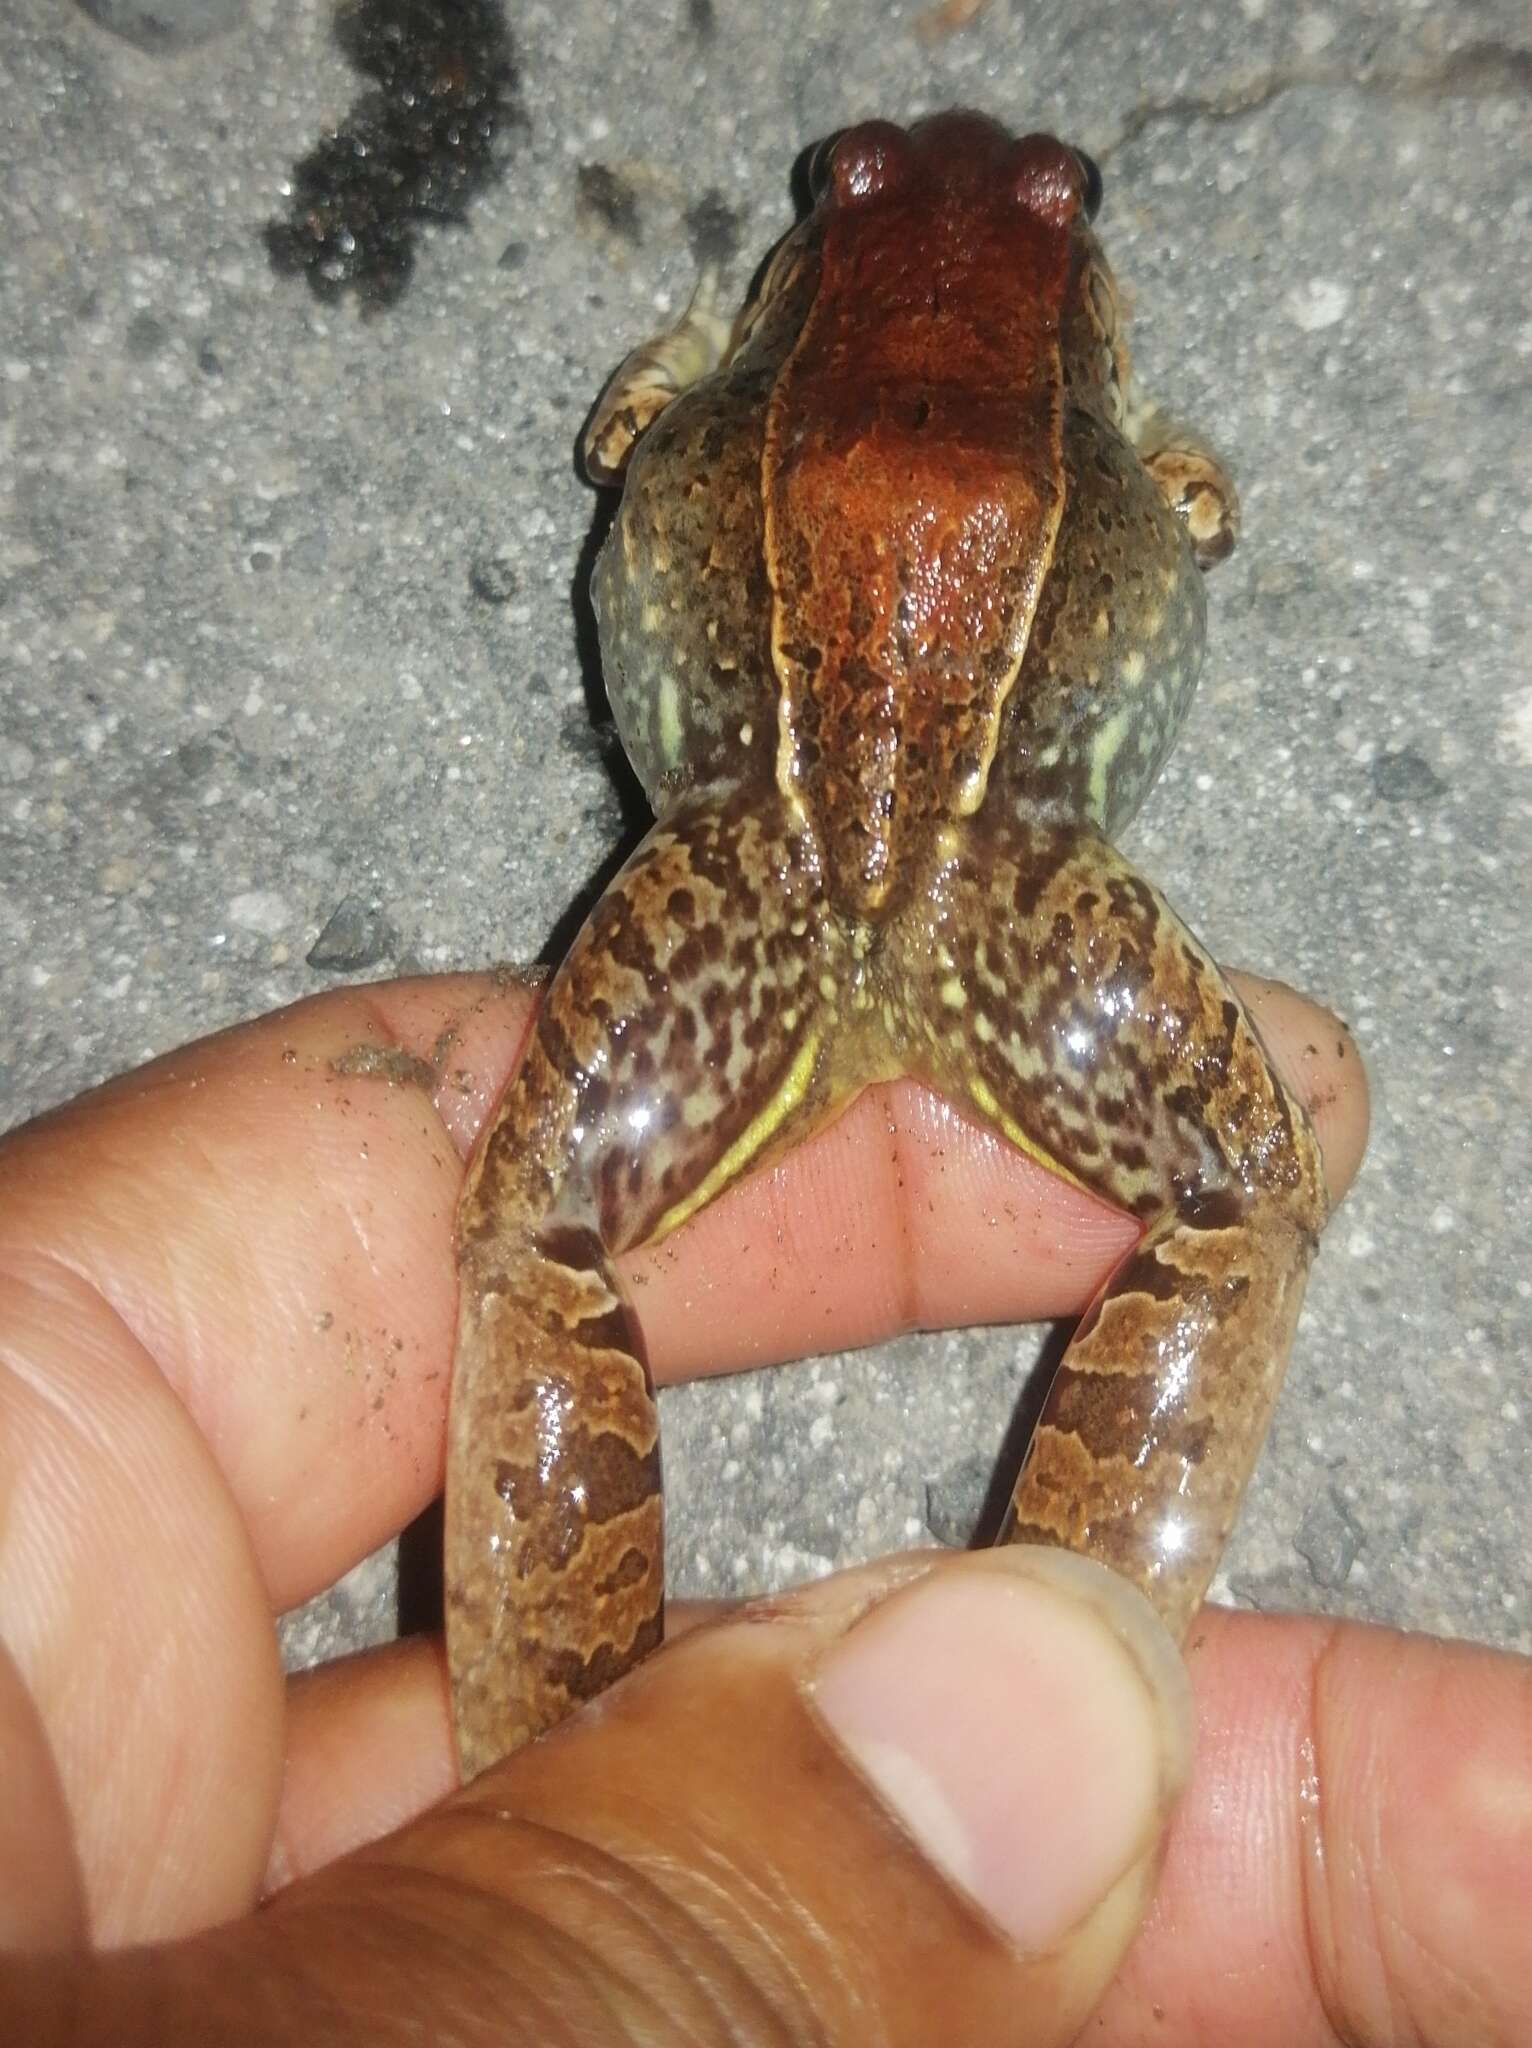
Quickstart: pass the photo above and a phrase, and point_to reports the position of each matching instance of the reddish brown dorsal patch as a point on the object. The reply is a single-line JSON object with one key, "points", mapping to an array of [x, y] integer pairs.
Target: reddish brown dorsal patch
{"points": [[913, 480]]}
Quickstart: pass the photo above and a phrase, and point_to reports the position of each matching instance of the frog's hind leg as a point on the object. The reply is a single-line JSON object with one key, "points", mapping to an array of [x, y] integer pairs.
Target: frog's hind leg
{"points": [[1070, 1006], [680, 1042]]}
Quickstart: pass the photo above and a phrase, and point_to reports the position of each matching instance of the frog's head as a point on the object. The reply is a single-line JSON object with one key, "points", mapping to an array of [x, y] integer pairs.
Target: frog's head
{"points": [[952, 215], [962, 158]]}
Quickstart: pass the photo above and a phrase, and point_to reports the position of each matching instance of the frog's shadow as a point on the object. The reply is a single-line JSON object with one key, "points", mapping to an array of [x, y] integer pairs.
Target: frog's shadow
{"points": [[1025, 1416]]}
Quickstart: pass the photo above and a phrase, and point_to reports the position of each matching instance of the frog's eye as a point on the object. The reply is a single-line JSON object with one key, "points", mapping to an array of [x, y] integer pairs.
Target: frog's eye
{"points": [[1054, 180], [858, 163], [1090, 171]]}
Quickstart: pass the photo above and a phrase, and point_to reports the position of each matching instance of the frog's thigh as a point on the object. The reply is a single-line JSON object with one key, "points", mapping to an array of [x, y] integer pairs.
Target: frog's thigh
{"points": [[1191, 478], [1081, 1018], [676, 1043]]}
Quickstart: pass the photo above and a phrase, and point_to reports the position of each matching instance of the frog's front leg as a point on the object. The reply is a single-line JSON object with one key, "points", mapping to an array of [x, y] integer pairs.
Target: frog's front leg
{"points": [[1190, 476], [679, 1042], [1186, 469], [654, 373], [1084, 1021]]}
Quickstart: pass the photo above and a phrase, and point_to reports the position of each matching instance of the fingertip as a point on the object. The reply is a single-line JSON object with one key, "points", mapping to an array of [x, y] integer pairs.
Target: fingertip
{"points": [[469, 1028], [1367, 1796], [1026, 1716], [1341, 1105], [1420, 1842], [369, 1746], [1320, 1061]]}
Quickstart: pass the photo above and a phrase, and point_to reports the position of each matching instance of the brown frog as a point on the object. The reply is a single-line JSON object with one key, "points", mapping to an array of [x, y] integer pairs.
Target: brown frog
{"points": [[899, 614]]}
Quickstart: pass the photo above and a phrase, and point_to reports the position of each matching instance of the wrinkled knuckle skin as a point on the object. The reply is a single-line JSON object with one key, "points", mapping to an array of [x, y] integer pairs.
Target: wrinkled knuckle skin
{"points": [[544, 1937]]}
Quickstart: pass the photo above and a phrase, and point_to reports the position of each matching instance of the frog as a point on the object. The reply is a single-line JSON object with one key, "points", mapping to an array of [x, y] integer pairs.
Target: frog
{"points": [[899, 612]]}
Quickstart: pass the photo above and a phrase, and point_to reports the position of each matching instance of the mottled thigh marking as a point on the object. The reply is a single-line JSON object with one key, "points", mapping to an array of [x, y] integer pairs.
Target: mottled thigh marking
{"points": [[679, 1040], [1061, 997], [678, 1011]]}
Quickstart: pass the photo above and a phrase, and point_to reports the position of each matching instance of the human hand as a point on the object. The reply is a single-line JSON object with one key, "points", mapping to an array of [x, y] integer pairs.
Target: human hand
{"points": [[226, 1298]]}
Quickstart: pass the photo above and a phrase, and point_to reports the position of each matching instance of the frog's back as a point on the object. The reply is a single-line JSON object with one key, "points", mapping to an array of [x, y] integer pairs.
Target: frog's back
{"points": [[834, 555], [913, 485]]}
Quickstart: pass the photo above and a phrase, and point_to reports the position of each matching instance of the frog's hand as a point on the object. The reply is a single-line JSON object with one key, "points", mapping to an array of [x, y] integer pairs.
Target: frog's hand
{"points": [[1190, 476], [677, 1044], [1095, 1032], [654, 373]]}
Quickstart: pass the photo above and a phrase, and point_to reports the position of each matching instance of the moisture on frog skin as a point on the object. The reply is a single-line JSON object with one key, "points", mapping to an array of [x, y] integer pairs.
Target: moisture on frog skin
{"points": [[899, 614]]}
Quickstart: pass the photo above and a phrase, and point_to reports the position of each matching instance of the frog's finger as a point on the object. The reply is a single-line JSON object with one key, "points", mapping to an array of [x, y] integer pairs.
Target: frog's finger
{"points": [[1190, 477], [651, 376]]}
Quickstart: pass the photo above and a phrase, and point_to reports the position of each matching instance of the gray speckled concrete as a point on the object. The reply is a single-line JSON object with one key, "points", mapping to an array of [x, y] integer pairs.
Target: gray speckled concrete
{"points": [[288, 619]]}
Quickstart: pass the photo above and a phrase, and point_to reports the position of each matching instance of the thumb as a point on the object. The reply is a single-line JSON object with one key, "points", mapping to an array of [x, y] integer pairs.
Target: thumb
{"points": [[919, 1801]]}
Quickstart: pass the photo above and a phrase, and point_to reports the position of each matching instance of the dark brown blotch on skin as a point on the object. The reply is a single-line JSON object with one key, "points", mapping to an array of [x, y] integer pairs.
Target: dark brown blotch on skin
{"points": [[632, 1569], [1107, 1410], [583, 1678]]}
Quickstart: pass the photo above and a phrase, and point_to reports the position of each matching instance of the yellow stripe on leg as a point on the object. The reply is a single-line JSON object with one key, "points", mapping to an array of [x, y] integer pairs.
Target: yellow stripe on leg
{"points": [[994, 1114], [758, 1133]]}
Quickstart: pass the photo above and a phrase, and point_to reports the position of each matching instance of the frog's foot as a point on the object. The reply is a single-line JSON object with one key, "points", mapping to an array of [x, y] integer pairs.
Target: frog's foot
{"points": [[657, 371], [1084, 1022], [1191, 479], [682, 1040]]}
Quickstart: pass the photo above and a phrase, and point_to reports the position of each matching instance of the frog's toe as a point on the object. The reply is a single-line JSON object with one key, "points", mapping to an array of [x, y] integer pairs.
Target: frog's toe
{"points": [[1191, 478]]}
